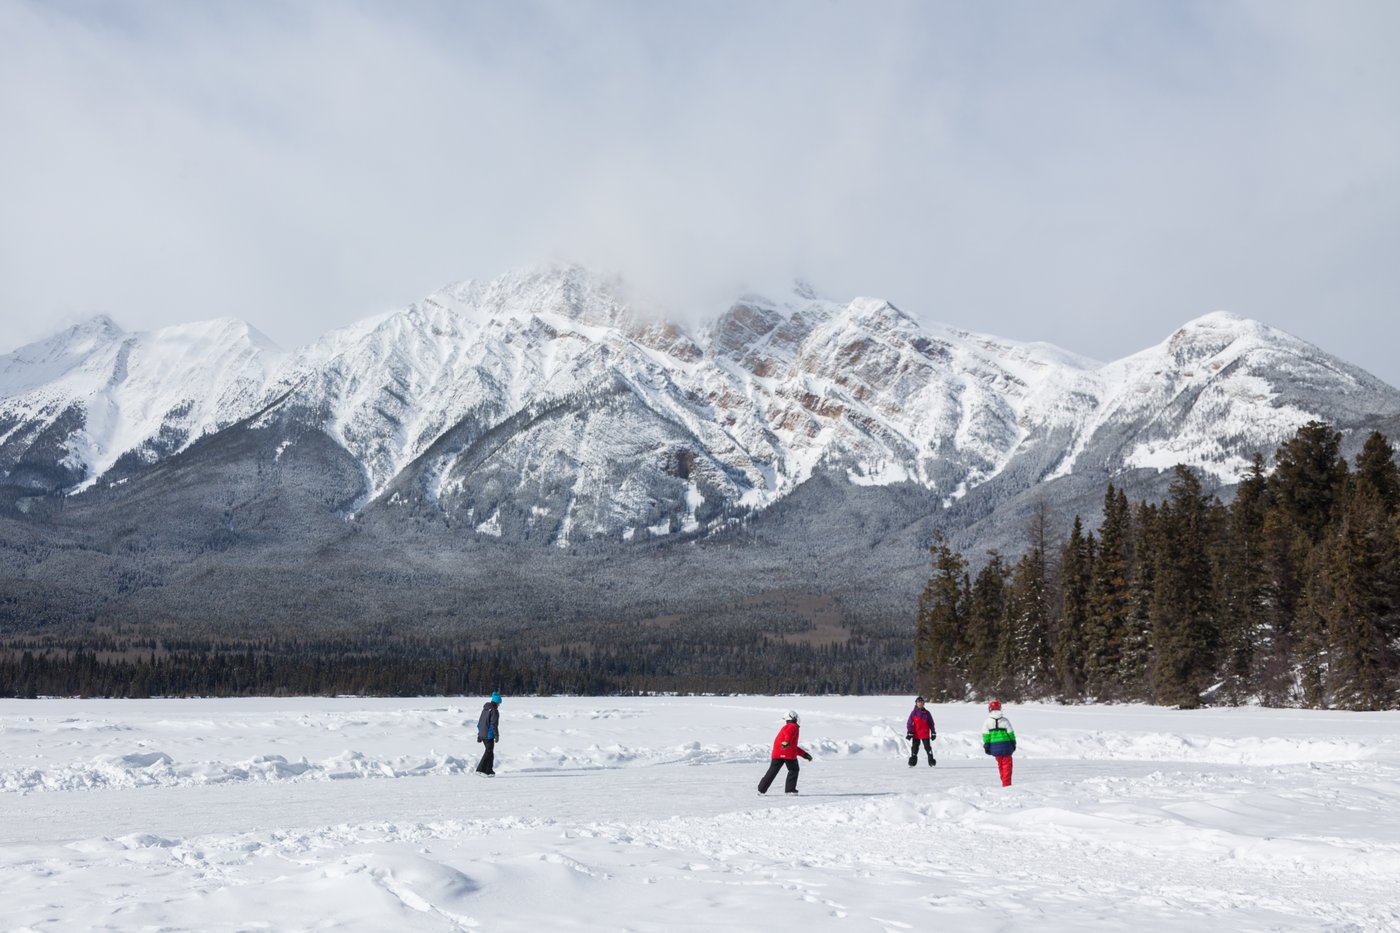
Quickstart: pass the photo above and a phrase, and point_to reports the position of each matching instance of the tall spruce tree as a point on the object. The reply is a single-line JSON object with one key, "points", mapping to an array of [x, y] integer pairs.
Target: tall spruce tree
{"points": [[1361, 562], [1027, 663], [1243, 602], [939, 651], [1309, 478], [1135, 666], [1106, 624], [986, 627], [1076, 570], [1375, 467], [1308, 483], [1183, 617], [1311, 654], [1286, 550]]}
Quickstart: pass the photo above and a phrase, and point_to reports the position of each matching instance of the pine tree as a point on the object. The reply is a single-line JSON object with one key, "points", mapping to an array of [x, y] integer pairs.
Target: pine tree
{"points": [[1309, 478], [1107, 621], [1286, 550], [1183, 619], [1076, 569], [1310, 631], [1375, 467], [1135, 666], [941, 628], [986, 629], [1362, 566], [1243, 608], [1026, 661], [1308, 484]]}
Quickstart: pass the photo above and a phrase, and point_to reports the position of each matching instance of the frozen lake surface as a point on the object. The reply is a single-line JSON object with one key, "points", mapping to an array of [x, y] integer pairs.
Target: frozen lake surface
{"points": [[642, 814]]}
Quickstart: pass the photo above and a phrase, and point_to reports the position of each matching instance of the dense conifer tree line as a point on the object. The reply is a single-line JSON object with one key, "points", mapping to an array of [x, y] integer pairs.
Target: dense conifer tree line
{"points": [[1288, 595], [386, 665]]}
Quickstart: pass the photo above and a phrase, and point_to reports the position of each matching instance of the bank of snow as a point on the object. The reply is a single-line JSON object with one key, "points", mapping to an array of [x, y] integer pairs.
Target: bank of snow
{"points": [[641, 814]]}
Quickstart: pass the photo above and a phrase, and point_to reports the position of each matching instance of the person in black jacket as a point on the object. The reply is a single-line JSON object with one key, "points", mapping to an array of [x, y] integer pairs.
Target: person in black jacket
{"points": [[488, 733]]}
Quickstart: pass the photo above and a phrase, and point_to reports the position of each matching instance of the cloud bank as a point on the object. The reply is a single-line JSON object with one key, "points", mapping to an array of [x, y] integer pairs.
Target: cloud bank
{"points": [[1091, 174]]}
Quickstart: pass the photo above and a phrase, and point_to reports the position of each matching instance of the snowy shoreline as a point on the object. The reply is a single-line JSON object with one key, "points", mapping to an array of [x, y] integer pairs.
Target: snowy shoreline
{"points": [[640, 813]]}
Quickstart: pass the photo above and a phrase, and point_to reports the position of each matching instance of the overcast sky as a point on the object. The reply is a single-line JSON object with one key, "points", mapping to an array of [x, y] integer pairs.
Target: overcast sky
{"points": [[1092, 174]]}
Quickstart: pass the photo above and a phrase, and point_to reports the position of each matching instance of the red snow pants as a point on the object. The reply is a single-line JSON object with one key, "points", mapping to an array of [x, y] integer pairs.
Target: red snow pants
{"points": [[1004, 766]]}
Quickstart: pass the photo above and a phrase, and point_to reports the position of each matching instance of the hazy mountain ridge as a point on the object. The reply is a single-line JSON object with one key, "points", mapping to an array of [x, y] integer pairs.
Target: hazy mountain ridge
{"points": [[538, 455], [543, 405]]}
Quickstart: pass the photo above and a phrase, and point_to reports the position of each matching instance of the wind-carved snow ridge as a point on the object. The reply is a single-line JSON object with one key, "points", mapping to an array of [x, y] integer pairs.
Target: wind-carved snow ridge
{"points": [[157, 769], [552, 388]]}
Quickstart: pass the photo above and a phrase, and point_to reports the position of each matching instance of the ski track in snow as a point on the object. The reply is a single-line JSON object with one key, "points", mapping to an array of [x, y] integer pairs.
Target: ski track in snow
{"points": [[641, 814]]}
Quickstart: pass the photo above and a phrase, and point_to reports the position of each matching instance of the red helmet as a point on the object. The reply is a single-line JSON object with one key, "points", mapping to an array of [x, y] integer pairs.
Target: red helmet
{"points": [[994, 705]]}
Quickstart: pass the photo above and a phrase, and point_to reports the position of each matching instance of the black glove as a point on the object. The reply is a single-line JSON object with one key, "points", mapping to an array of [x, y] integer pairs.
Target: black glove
{"points": [[807, 756], [932, 736], [909, 736], [1013, 746], [987, 747], [479, 740]]}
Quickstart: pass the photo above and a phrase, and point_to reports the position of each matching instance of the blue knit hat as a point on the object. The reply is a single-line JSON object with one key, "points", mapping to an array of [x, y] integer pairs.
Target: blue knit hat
{"points": [[495, 696]]}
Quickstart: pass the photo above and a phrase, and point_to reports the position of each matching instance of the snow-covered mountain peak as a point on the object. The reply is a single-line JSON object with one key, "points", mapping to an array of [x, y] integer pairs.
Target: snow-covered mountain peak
{"points": [[98, 327], [121, 400], [216, 332], [871, 315], [44, 361], [1218, 376], [95, 355], [602, 414], [763, 336], [1213, 333], [562, 289], [1210, 343], [1219, 319]]}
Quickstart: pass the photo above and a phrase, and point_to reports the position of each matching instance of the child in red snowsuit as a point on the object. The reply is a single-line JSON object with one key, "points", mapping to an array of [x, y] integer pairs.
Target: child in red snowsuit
{"points": [[786, 751], [918, 729]]}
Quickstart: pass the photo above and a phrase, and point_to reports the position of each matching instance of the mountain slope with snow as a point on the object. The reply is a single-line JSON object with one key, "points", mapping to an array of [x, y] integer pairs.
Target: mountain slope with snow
{"points": [[94, 401], [544, 405], [1219, 387]]}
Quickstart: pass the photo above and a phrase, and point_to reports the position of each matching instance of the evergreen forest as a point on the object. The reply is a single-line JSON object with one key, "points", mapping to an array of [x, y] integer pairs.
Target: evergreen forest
{"points": [[1287, 595], [124, 665]]}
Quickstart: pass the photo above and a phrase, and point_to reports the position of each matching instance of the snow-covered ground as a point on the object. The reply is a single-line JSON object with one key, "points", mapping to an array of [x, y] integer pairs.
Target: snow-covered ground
{"points": [[641, 814]]}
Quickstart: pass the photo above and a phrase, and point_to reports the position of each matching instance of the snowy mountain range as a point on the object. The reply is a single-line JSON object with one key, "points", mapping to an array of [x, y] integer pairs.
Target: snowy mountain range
{"points": [[543, 457], [544, 404]]}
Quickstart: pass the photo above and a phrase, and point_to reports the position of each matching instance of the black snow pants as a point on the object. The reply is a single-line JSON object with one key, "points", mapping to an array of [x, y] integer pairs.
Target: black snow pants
{"points": [[487, 765], [776, 765], [914, 751]]}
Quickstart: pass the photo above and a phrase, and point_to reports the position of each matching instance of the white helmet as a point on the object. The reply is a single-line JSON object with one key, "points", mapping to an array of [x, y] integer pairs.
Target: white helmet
{"points": [[792, 715]]}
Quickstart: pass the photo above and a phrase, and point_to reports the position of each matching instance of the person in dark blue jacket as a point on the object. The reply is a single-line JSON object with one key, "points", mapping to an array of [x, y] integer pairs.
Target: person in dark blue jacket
{"points": [[488, 733]]}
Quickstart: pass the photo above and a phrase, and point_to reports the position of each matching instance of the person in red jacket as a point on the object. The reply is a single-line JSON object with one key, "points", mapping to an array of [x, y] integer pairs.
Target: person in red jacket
{"points": [[786, 751], [918, 729]]}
